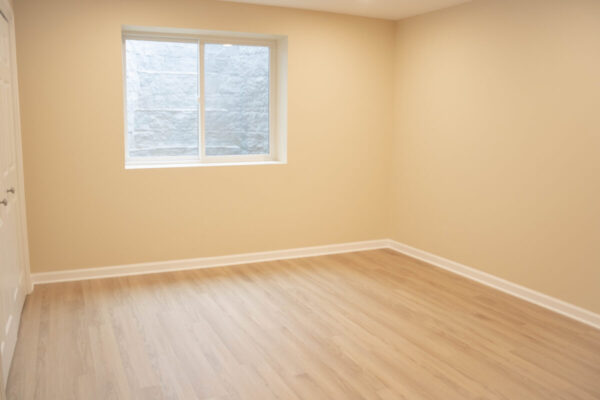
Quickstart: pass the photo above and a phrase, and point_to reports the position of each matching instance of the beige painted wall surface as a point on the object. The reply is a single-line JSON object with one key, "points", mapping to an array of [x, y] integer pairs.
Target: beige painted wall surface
{"points": [[86, 210], [497, 141]]}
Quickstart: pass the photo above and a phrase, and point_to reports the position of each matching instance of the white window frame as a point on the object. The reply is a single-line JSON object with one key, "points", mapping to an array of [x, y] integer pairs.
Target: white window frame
{"points": [[277, 140]]}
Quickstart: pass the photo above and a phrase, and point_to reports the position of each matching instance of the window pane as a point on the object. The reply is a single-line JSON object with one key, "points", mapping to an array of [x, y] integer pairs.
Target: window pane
{"points": [[162, 98], [236, 99]]}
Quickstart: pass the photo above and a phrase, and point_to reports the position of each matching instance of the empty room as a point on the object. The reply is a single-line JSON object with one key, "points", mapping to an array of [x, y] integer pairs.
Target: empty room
{"points": [[300, 199]]}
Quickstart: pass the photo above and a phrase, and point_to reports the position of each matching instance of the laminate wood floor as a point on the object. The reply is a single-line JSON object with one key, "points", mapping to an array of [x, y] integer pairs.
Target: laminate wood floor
{"points": [[367, 325]]}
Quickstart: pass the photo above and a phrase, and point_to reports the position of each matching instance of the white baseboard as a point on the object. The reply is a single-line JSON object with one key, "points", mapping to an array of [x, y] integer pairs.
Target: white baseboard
{"points": [[532, 296], [203, 262]]}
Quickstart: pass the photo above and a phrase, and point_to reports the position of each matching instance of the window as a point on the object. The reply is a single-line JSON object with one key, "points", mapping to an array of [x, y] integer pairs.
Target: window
{"points": [[202, 99]]}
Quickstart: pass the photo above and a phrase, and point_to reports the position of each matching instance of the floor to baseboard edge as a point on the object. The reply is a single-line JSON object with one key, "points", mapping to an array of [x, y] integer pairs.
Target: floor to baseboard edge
{"points": [[202, 262], [559, 306], [532, 296]]}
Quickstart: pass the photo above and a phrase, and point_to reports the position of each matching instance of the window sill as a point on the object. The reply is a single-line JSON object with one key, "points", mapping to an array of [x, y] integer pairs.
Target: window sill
{"points": [[198, 164]]}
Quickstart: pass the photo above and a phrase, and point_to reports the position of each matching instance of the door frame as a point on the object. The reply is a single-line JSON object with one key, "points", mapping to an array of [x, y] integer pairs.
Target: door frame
{"points": [[26, 284]]}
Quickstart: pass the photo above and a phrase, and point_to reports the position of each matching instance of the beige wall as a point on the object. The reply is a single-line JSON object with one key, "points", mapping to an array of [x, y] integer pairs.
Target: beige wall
{"points": [[85, 210], [497, 141], [493, 160]]}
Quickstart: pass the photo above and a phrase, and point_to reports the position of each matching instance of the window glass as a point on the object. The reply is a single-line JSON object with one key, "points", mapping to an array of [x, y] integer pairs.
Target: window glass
{"points": [[162, 98], [236, 98]]}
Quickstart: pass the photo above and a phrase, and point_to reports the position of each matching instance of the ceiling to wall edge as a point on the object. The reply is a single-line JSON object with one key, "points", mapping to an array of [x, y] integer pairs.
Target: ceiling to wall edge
{"points": [[363, 14]]}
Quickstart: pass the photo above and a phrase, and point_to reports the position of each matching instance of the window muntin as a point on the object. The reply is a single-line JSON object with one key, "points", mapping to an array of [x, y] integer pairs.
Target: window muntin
{"points": [[199, 100]]}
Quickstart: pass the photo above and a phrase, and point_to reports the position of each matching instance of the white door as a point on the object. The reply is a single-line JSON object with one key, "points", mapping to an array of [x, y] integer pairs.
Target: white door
{"points": [[11, 272]]}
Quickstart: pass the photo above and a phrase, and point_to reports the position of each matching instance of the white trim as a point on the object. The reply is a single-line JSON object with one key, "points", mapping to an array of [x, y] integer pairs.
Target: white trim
{"points": [[277, 75], [532, 296], [214, 35], [201, 102], [7, 326], [21, 212], [203, 262], [199, 164], [23, 243]]}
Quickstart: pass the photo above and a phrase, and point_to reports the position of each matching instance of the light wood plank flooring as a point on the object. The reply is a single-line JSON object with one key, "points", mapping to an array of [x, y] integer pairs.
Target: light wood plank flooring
{"points": [[368, 325]]}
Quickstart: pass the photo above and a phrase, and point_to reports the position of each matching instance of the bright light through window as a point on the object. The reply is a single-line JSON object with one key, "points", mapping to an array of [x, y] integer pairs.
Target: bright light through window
{"points": [[198, 100]]}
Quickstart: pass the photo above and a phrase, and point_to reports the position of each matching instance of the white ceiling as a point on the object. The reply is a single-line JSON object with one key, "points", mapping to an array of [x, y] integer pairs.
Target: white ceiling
{"points": [[388, 9]]}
